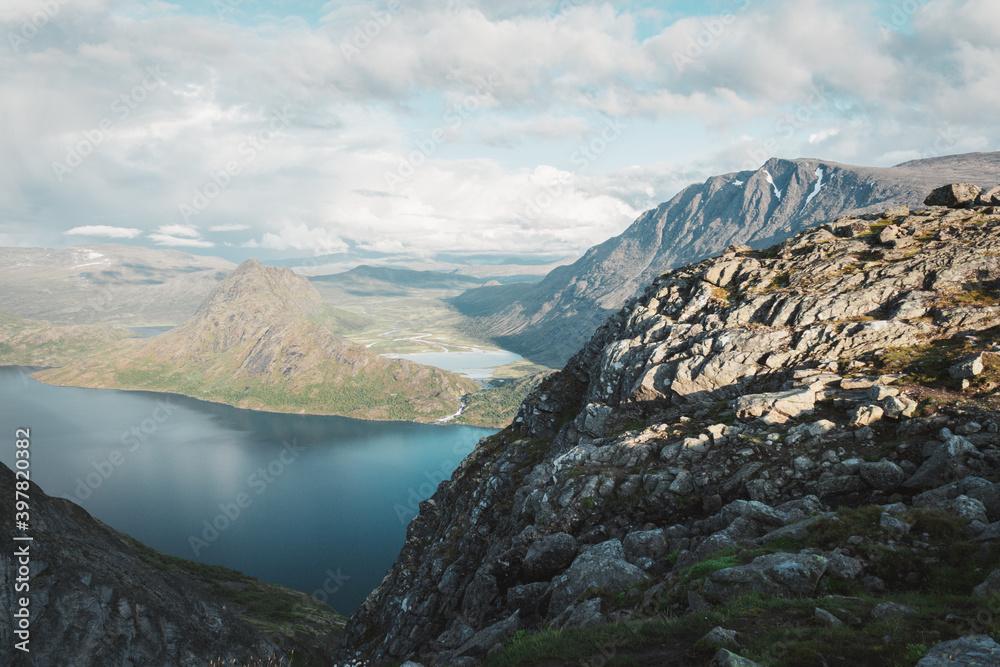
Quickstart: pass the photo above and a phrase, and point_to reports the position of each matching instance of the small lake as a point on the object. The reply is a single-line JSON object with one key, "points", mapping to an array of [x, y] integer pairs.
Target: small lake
{"points": [[478, 365], [149, 332], [309, 502]]}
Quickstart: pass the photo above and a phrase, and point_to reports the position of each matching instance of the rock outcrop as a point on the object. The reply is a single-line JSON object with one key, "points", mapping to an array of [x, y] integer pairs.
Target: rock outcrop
{"points": [[779, 423], [98, 597]]}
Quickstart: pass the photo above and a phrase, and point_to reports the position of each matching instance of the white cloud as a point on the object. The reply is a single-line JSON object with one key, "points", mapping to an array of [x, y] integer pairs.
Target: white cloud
{"points": [[105, 230], [179, 230], [299, 236], [180, 241], [786, 77], [228, 228]]}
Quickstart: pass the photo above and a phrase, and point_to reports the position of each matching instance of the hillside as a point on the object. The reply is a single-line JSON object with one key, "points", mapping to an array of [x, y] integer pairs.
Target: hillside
{"points": [[547, 322], [263, 339], [106, 284], [789, 454], [385, 281], [98, 597]]}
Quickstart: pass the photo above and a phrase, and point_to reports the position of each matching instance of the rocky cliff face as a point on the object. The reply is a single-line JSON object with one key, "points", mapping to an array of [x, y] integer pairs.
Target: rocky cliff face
{"points": [[263, 339], [98, 597], [815, 418], [550, 321]]}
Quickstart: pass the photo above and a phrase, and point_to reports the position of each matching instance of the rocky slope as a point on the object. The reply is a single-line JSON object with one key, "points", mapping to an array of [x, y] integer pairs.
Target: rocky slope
{"points": [[551, 320], [263, 339], [106, 283], [98, 597], [808, 433]]}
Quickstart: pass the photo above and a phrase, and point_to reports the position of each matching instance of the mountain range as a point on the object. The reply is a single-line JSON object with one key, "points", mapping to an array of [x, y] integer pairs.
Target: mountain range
{"points": [[548, 321]]}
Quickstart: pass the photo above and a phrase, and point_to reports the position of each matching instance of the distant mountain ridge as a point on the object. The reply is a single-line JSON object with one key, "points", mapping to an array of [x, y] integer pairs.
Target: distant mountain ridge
{"points": [[549, 321], [263, 339], [367, 280], [106, 283]]}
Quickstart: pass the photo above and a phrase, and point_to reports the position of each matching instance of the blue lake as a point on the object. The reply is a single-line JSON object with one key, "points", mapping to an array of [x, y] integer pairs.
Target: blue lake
{"points": [[319, 504], [477, 365]]}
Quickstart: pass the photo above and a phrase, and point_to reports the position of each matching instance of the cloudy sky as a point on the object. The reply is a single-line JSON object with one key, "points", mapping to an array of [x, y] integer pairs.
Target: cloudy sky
{"points": [[528, 127]]}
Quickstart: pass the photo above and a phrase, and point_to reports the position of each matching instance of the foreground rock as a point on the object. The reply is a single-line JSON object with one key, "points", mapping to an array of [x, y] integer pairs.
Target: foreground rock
{"points": [[100, 598], [758, 424]]}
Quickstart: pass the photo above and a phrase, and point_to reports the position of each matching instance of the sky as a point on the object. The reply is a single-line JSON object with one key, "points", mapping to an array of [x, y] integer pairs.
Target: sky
{"points": [[522, 128]]}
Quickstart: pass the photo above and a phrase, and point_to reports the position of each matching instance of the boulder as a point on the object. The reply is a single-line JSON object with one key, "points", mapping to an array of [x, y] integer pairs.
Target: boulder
{"points": [[882, 475], [776, 407], [891, 610], [988, 587], [946, 463], [487, 638], [971, 651], [990, 197], [720, 636], [826, 618], [602, 566], [955, 195], [864, 415], [968, 368], [726, 658], [586, 615], [780, 574], [548, 556], [645, 544]]}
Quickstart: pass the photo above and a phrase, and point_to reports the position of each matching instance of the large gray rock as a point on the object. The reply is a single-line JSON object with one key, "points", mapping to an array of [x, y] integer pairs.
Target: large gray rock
{"points": [[776, 407], [971, 651], [645, 544], [968, 368], [882, 475], [990, 197], [726, 658], [955, 195], [601, 566], [945, 464], [988, 587], [548, 556], [891, 610], [780, 574], [586, 615], [488, 637]]}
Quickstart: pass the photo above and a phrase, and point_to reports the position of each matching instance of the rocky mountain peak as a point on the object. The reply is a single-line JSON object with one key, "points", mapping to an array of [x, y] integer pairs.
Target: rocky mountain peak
{"points": [[791, 422], [549, 321], [263, 290]]}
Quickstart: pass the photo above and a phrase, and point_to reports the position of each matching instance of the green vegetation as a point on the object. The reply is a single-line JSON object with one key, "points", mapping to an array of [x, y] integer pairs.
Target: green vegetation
{"points": [[928, 364], [497, 404], [270, 608]]}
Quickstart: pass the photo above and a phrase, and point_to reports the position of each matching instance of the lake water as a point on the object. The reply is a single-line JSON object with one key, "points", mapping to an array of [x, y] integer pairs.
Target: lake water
{"points": [[310, 502], [477, 365]]}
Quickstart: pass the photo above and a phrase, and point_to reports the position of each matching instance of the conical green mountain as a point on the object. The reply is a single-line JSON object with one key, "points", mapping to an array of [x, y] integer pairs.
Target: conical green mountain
{"points": [[262, 339]]}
